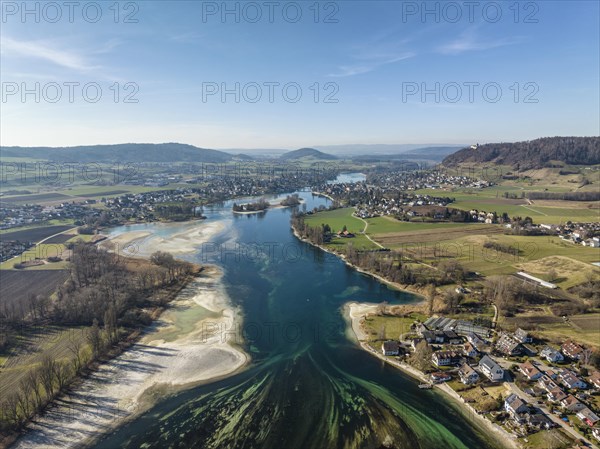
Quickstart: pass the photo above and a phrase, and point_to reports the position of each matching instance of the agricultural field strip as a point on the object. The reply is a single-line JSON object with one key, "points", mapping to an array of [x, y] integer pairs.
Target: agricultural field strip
{"points": [[36, 234], [17, 285], [392, 239], [49, 341]]}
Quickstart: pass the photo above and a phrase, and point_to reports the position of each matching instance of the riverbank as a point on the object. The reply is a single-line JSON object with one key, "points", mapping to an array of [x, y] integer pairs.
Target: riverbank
{"points": [[144, 243], [355, 314], [192, 342], [416, 290]]}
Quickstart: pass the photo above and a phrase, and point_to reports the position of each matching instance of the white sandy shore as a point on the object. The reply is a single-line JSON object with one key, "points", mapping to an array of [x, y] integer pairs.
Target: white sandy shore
{"points": [[356, 313], [144, 243], [174, 354]]}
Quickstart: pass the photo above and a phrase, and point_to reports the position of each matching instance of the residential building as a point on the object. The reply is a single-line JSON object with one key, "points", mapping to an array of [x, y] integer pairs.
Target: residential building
{"points": [[552, 355], [588, 416], [571, 381], [491, 369], [522, 336], [440, 377], [467, 374], [539, 421], [445, 358], [556, 395], [571, 404], [595, 379], [546, 383], [470, 351], [530, 371], [476, 341], [508, 346], [390, 348], [515, 407], [572, 350], [452, 338]]}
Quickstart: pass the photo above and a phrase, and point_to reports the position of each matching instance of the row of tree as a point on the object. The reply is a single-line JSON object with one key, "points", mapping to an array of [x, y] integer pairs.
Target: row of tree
{"points": [[102, 294]]}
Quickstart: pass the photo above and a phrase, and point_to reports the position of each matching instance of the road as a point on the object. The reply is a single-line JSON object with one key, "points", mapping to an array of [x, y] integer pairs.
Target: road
{"points": [[533, 401], [367, 235]]}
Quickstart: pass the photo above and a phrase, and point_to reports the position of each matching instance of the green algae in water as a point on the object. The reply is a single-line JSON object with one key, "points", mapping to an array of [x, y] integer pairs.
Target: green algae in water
{"points": [[317, 391]]}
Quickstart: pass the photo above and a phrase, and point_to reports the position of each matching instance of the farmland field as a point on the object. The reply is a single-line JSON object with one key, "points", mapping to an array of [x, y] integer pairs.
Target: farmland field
{"points": [[582, 328], [34, 234], [40, 252], [60, 238], [486, 199], [432, 232], [36, 198], [337, 219], [102, 193], [30, 350], [569, 272], [381, 225], [17, 285]]}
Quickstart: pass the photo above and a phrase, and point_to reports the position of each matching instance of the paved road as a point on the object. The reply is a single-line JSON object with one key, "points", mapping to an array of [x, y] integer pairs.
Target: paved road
{"points": [[566, 427]]}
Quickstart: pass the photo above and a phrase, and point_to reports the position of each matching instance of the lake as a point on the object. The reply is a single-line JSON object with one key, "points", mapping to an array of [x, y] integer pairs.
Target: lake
{"points": [[309, 385]]}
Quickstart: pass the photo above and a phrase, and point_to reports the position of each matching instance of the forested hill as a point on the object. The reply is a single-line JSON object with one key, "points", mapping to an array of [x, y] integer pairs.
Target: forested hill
{"points": [[537, 153], [306, 152], [130, 152]]}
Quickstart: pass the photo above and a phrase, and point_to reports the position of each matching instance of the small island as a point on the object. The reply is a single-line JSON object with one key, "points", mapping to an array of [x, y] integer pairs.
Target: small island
{"points": [[291, 201], [258, 206]]}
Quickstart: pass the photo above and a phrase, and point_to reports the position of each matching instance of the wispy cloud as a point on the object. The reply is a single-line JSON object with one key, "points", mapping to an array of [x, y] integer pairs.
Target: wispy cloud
{"points": [[369, 64], [54, 54], [470, 41]]}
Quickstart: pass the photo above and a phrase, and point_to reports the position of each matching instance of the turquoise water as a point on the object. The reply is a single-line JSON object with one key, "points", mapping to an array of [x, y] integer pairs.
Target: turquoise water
{"points": [[308, 386]]}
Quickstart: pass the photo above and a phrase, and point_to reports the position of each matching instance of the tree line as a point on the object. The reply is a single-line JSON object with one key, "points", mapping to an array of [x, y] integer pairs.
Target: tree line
{"points": [[106, 300]]}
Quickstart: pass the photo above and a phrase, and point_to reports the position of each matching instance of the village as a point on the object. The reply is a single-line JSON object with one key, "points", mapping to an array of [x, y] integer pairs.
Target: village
{"points": [[542, 387]]}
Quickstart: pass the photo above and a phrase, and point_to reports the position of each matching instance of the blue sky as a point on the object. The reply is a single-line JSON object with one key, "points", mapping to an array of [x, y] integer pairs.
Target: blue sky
{"points": [[374, 59]]}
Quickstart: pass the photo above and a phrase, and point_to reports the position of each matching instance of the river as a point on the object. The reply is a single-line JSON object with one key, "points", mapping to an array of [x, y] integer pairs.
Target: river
{"points": [[309, 385]]}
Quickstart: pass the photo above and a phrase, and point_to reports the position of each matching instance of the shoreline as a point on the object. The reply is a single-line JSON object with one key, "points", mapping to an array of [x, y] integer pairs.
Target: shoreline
{"points": [[355, 313], [142, 243], [402, 287], [187, 345]]}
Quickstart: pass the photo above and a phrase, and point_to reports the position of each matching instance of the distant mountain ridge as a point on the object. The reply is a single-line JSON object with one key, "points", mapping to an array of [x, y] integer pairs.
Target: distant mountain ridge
{"points": [[532, 154], [129, 152], [381, 149], [306, 152]]}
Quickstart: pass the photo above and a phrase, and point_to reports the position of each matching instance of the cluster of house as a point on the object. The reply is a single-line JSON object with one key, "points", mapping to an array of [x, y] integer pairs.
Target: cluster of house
{"points": [[12, 248], [12, 215], [524, 414], [426, 179], [585, 234], [483, 216], [511, 344], [380, 206], [461, 345]]}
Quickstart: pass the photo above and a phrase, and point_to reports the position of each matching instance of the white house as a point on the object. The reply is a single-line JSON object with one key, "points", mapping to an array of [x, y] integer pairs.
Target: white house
{"points": [[467, 374], [571, 381], [491, 369], [552, 355], [588, 416], [515, 406]]}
